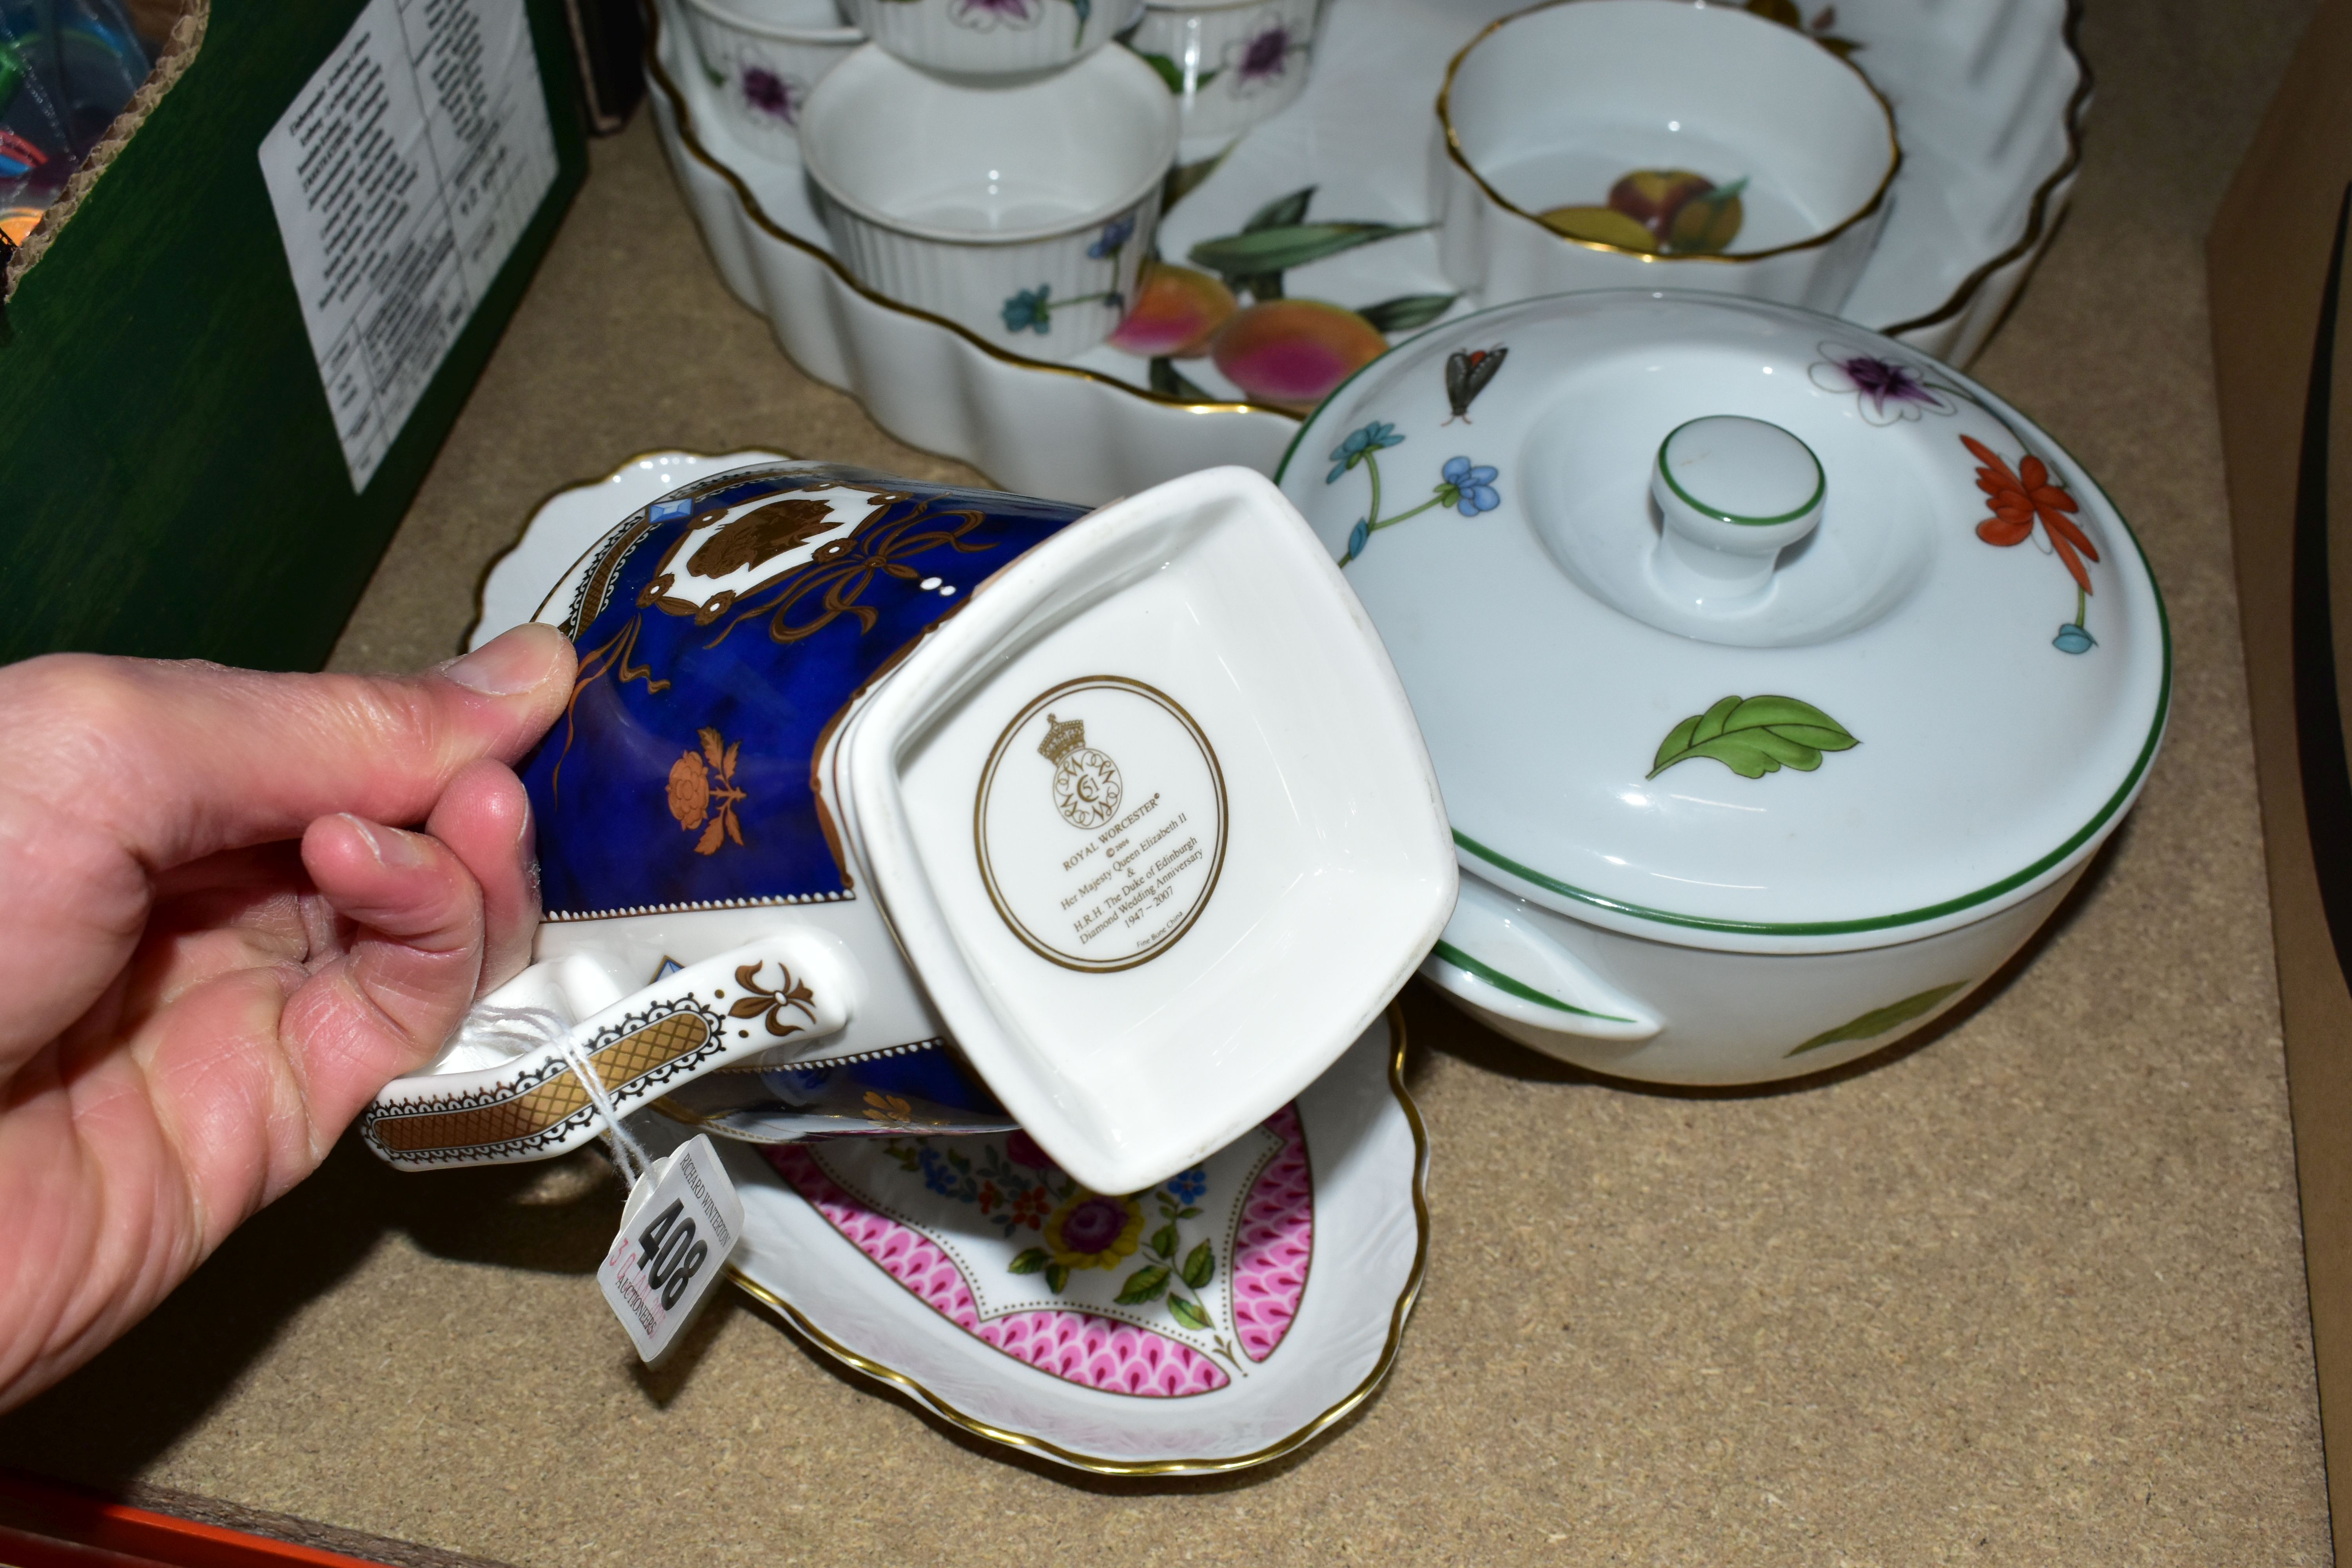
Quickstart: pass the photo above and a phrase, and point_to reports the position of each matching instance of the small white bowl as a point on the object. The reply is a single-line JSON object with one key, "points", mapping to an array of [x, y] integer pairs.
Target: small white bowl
{"points": [[767, 56], [1020, 213], [1230, 63], [992, 37], [1549, 107]]}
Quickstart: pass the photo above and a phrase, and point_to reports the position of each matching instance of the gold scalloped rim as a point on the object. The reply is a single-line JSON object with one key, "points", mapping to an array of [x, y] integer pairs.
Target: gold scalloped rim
{"points": [[1030, 1442]]}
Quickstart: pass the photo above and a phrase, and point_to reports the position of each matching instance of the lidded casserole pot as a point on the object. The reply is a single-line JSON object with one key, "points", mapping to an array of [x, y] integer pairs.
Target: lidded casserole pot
{"points": [[1779, 680]]}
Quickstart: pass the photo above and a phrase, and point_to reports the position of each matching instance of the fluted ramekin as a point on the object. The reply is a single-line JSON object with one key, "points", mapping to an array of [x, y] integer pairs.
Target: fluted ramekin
{"points": [[1230, 63], [1021, 213], [992, 37]]}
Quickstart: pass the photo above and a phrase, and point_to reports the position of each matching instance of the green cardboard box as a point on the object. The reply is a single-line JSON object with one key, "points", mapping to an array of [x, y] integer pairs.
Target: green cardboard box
{"points": [[199, 456]]}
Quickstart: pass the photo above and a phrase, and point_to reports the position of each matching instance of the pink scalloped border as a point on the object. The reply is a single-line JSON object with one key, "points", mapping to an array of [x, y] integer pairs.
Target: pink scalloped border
{"points": [[1274, 1242], [1077, 1347]]}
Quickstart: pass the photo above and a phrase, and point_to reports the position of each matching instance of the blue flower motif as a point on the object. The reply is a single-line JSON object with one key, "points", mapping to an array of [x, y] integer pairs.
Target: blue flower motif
{"points": [[1359, 445], [2072, 639], [936, 1174], [1029, 310], [1469, 491], [1186, 1186], [1114, 236], [1358, 537]]}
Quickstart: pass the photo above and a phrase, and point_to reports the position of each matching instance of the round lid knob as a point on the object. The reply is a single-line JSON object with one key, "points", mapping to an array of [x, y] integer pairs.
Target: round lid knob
{"points": [[1734, 493]]}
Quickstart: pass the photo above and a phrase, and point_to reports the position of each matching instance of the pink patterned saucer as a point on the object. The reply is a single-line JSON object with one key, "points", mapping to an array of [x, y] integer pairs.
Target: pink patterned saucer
{"points": [[1215, 1321]]}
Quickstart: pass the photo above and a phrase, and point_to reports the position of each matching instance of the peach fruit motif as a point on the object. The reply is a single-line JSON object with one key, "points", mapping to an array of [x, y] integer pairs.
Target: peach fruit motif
{"points": [[1668, 212], [1291, 352], [1177, 310]]}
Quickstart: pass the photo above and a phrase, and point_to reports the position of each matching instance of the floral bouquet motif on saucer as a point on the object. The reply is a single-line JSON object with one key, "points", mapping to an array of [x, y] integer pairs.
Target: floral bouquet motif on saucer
{"points": [[1182, 1289]]}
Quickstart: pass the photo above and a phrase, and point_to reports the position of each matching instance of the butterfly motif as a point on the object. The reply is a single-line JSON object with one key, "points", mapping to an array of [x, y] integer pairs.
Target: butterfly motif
{"points": [[1467, 372]]}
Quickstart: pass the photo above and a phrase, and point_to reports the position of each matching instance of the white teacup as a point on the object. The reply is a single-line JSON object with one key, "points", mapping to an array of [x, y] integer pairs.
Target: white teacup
{"points": [[1549, 108], [1020, 213], [766, 56], [993, 38], [1123, 811]]}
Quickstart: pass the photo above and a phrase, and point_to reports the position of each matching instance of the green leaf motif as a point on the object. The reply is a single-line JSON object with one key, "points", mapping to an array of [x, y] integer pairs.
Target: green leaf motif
{"points": [[1188, 1312], [1265, 250], [1754, 736], [1879, 1020], [1201, 1267], [1408, 312], [1281, 211], [1030, 1262], [1143, 1284], [1163, 1241], [1170, 71], [1186, 178], [1057, 1276]]}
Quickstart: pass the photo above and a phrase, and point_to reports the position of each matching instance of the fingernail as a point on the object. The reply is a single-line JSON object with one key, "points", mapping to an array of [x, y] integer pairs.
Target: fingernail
{"points": [[391, 847], [513, 661]]}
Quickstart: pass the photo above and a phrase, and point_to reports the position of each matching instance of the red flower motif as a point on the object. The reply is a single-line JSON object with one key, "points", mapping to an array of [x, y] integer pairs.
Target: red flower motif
{"points": [[2019, 497], [988, 1196]]}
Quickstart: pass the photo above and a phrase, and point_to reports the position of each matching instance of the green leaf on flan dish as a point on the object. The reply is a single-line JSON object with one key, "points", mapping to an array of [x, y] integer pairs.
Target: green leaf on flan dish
{"points": [[1278, 249], [1407, 312]]}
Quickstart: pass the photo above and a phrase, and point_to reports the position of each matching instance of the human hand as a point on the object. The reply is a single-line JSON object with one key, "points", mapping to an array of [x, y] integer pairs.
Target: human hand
{"points": [[215, 952]]}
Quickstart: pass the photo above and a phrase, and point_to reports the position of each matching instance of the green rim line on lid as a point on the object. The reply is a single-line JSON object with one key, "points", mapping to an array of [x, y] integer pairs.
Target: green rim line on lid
{"points": [[1820, 481], [1876, 922], [1462, 960]]}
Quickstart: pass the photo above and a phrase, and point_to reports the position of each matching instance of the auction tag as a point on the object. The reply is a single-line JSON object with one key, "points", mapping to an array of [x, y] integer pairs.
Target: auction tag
{"points": [[681, 1222]]}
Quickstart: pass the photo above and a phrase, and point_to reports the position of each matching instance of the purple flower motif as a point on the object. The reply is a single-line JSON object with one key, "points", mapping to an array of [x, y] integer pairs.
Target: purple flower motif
{"points": [[1113, 238], [1885, 390], [1094, 1224], [779, 97], [1262, 58], [986, 15]]}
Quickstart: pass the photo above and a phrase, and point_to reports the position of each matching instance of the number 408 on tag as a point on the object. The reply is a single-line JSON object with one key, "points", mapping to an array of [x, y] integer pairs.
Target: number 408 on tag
{"points": [[680, 1223]]}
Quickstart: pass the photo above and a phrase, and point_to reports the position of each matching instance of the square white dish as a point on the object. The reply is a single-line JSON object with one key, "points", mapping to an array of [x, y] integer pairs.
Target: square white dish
{"points": [[1264, 862]]}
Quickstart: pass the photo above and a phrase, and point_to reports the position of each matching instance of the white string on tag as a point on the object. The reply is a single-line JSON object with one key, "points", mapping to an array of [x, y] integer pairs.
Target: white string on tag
{"points": [[516, 1031]]}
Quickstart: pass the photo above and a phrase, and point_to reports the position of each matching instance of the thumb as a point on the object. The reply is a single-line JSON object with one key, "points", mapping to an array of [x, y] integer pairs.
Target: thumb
{"points": [[177, 761], [122, 769]]}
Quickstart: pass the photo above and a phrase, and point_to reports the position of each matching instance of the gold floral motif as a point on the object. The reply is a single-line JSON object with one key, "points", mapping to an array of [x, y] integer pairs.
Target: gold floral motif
{"points": [[888, 1109], [700, 782], [773, 1002]]}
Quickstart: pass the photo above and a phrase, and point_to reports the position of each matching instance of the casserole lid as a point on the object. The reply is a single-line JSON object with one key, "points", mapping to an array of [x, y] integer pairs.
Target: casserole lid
{"points": [[1739, 625]]}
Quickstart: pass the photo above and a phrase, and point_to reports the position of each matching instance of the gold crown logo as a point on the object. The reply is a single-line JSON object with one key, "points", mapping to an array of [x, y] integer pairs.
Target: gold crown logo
{"points": [[1061, 738]]}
